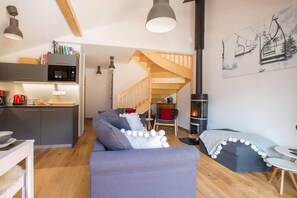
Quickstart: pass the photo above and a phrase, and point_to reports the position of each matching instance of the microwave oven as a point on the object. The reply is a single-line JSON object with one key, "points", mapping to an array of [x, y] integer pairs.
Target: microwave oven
{"points": [[63, 68], [62, 73]]}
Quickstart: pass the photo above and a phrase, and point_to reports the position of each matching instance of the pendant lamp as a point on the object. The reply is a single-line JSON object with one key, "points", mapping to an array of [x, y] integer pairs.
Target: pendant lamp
{"points": [[161, 18], [98, 70], [13, 31], [111, 65]]}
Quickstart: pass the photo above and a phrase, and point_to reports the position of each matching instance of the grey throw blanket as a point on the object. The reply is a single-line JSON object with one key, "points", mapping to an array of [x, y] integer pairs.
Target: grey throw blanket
{"points": [[213, 139]]}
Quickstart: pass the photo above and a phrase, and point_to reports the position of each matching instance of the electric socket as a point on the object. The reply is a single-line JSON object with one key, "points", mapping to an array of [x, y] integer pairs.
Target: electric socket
{"points": [[58, 93]]}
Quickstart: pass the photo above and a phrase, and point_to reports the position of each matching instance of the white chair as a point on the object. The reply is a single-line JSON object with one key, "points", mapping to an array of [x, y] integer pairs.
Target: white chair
{"points": [[12, 181]]}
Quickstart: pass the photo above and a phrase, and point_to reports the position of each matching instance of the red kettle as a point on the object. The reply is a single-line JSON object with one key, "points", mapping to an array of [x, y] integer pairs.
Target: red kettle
{"points": [[19, 99]]}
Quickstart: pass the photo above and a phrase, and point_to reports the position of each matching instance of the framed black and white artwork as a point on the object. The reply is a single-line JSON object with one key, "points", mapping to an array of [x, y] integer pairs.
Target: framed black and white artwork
{"points": [[265, 46]]}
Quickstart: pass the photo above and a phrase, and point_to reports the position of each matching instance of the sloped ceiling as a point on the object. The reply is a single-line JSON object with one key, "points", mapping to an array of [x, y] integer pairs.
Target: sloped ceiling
{"points": [[42, 21]]}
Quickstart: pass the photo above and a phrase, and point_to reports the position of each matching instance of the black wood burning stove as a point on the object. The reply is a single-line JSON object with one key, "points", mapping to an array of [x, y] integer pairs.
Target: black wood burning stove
{"points": [[199, 104]]}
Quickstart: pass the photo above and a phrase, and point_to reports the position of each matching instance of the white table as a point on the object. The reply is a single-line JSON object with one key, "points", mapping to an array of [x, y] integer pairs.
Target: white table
{"points": [[10, 158], [284, 165], [286, 152]]}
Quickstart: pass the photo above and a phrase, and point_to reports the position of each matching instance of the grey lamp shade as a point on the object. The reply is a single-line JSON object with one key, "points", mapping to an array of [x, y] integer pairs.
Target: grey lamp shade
{"points": [[98, 70], [13, 31], [161, 18], [111, 64]]}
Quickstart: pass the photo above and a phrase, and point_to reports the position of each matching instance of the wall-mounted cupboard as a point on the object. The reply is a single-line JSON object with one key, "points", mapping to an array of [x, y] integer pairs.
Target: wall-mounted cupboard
{"points": [[60, 68]]}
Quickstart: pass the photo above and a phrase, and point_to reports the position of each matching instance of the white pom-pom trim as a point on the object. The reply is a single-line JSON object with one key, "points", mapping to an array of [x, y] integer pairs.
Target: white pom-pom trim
{"points": [[129, 132], [153, 133], [165, 144], [219, 148], [163, 139], [140, 133], [134, 133], [161, 133]]}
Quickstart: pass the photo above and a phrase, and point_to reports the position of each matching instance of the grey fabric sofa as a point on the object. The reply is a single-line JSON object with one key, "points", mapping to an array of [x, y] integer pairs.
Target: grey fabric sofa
{"points": [[143, 173]]}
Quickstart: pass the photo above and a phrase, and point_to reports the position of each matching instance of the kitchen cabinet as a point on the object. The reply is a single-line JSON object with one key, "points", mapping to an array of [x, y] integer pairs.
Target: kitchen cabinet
{"points": [[2, 119], [46, 125], [2, 72], [58, 125], [62, 59], [24, 122], [26, 72]]}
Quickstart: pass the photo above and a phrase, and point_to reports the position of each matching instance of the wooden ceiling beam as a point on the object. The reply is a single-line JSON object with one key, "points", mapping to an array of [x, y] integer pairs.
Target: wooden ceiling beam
{"points": [[70, 16]]}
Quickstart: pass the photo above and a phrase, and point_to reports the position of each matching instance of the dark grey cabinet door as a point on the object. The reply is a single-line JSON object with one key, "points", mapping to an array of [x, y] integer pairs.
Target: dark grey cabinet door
{"points": [[56, 126], [24, 122], [2, 72], [2, 119], [62, 59], [26, 72]]}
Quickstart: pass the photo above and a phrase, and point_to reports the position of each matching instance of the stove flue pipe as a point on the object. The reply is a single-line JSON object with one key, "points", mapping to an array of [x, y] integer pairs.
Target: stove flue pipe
{"points": [[199, 41]]}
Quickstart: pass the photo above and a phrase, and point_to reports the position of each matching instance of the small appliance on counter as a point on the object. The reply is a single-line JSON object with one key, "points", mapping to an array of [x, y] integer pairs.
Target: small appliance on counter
{"points": [[19, 99], [34, 101], [2, 97]]}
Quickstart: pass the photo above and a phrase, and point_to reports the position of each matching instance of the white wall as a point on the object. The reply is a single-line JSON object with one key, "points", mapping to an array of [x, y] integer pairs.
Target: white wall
{"points": [[125, 76], [98, 91], [265, 103]]}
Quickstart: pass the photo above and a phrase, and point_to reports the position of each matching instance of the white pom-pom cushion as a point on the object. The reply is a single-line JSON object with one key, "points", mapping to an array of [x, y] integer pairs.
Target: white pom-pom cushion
{"points": [[134, 121], [147, 139]]}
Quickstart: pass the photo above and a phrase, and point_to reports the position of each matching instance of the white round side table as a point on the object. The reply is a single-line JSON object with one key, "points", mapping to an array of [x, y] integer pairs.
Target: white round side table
{"points": [[286, 152], [285, 166]]}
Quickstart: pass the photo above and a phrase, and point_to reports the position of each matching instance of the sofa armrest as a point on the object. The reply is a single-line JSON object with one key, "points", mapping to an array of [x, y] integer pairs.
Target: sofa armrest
{"points": [[125, 161]]}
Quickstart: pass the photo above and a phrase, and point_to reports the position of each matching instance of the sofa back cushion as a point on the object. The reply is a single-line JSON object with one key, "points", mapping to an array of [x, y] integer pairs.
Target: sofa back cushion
{"points": [[119, 122], [134, 121], [109, 114], [110, 136], [166, 114]]}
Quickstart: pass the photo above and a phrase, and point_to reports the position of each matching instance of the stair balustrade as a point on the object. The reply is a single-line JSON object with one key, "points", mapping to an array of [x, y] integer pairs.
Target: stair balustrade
{"points": [[137, 97]]}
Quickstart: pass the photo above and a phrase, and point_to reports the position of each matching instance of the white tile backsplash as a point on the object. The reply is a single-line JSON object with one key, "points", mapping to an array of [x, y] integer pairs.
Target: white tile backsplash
{"points": [[42, 91]]}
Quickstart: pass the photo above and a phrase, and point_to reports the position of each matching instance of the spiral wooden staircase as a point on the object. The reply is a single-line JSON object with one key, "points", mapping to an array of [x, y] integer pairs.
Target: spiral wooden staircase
{"points": [[168, 73]]}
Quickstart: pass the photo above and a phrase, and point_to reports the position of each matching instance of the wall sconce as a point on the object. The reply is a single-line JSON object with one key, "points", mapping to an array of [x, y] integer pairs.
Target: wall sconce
{"points": [[13, 31], [161, 18], [98, 70], [111, 65]]}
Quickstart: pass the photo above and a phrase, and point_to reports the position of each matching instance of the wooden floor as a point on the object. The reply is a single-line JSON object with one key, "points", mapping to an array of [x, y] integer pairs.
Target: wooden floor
{"points": [[63, 173]]}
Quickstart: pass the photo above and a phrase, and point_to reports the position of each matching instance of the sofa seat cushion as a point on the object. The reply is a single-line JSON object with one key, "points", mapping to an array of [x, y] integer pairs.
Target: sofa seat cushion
{"points": [[110, 136]]}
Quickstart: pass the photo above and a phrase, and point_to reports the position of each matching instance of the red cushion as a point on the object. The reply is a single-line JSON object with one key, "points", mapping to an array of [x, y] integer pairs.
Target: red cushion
{"points": [[166, 114], [130, 110]]}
